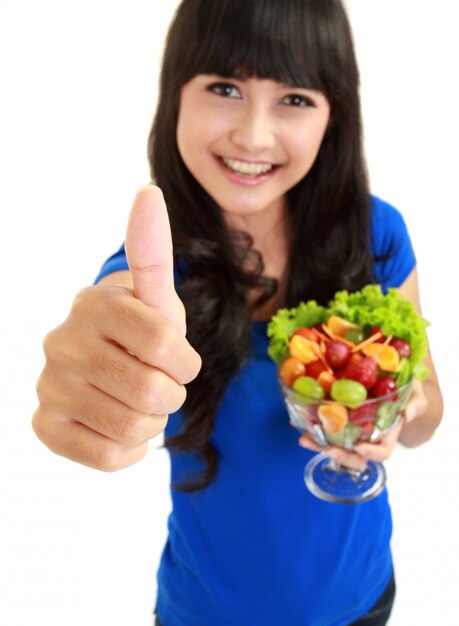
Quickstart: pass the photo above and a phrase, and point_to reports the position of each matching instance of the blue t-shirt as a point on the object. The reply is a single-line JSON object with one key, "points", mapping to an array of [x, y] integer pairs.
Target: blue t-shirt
{"points": [[255, 548]]}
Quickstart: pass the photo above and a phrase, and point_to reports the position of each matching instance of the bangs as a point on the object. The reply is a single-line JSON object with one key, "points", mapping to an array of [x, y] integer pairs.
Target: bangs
{"points": [[289, 42]]}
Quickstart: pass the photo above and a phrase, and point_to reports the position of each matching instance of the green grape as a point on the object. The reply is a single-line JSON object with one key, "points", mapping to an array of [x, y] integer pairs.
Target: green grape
{"points": [[309, 387], [356, 335], [350, 392]]}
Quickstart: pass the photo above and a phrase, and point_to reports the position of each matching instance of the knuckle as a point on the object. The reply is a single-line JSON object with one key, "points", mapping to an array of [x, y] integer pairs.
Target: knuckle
{"points": [[109, 458], [178, 400], [161, 339], [114, 456], [41, 387], [83, 301], [148, 392], [51, 342], [158, 394], [103, 365], [195, 368], [132, 430], [125, 314], [38, 425]]}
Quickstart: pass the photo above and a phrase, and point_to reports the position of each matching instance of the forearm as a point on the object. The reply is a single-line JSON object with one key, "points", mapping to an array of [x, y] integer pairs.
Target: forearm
{"points": [[427, 402], [420, 429]]}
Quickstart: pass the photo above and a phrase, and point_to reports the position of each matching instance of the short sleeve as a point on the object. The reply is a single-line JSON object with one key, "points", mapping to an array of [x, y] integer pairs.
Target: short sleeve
{"points": [[394, 257], [116, 263]]}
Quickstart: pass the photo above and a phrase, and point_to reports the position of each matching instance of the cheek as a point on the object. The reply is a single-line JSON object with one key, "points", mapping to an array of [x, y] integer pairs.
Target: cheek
{"points": [[308, 142], [184, 137], [194, 138]]}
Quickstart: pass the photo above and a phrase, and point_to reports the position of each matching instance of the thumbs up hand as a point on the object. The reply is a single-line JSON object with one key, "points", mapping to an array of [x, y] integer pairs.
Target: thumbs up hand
{"points": [[117, 366]]}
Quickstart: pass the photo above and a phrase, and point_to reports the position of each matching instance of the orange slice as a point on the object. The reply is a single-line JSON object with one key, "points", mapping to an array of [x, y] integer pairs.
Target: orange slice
{"points": [[303, 349], [386, 357], [334, 417], [339, 326]]}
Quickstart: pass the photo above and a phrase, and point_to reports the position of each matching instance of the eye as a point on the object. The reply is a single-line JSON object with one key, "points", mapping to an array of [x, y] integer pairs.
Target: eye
{"points": [[298, 100], [226, 90]]}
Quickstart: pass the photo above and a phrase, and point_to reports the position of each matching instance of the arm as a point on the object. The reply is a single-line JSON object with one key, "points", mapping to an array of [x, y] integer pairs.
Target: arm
{"points": [[424, 413]]}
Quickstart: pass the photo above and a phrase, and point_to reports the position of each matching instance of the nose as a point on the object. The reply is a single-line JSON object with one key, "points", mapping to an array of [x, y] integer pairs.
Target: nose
{"points": [[253, 130]]}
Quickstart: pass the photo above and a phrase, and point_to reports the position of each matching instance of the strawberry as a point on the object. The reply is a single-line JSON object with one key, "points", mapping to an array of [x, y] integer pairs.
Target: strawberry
{"points": [[364, 371], [363, 414]]}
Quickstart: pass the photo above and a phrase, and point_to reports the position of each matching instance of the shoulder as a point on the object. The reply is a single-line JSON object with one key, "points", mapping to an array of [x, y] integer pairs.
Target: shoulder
{"points": [[393, 253], [388, 227], [385, 217]]}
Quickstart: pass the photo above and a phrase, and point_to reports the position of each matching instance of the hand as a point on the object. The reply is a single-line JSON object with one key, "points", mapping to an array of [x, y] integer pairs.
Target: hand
{"points": [[363, 452], [379, 451], [417, 404], [118, 364]]}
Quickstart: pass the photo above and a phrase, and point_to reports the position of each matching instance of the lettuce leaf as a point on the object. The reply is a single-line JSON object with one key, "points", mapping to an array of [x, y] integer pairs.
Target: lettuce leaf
{"points": [[368, 307], [286, 321]]}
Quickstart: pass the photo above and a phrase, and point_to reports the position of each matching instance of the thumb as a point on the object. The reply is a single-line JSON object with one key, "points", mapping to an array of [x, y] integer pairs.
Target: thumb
{"points": [[148, 248]]}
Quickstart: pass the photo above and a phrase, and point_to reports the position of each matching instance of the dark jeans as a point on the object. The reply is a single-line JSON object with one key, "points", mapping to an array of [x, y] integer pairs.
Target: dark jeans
{"points": [[377, 616]]}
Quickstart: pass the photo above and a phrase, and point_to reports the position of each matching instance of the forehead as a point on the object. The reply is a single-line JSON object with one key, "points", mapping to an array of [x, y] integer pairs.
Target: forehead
{"points": [[268, 40]]}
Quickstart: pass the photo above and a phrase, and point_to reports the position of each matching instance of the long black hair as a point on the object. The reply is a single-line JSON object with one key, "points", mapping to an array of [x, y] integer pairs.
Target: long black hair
{"points": [[305, 43]]}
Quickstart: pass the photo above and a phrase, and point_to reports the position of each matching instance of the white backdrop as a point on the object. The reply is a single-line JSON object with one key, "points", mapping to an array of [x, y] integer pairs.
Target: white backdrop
{"points": [[78, 88]]}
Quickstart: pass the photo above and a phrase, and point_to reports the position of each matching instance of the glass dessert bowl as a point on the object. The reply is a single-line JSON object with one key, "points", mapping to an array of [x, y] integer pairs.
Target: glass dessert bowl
{"points": [[344, 424]]}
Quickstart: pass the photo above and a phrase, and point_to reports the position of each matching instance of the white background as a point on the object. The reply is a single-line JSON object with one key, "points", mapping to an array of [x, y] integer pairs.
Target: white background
{"points": [[78, 89]]}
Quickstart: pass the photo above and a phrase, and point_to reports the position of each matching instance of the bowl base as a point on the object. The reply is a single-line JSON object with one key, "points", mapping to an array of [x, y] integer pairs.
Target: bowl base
{"points": [[334, 483]]}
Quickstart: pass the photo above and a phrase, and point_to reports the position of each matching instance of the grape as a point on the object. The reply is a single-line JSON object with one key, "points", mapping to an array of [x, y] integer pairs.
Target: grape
{"points": [[309, 387], [384, 385], [356, 335], [350, 392], [338, 354], [403, 347]]}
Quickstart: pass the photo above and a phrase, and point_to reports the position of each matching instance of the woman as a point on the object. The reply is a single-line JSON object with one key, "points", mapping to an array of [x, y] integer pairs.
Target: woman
{"points": [[256, 145]]}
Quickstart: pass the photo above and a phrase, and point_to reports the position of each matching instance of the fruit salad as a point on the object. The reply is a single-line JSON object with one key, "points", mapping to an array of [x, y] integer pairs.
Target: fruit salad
{"points": [[346, 370]]}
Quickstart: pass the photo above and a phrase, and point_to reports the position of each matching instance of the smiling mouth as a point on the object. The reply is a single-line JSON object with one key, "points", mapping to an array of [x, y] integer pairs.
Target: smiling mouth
{"points": [[247, 169]]}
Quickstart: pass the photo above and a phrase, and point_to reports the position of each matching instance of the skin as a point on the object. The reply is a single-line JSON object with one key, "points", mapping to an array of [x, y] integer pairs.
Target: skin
{"points": [[252, 121], [118, 365]]}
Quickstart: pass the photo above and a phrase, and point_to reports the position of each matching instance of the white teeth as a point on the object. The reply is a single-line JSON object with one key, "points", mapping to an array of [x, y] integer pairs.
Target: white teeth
{"points": [[248, 169]]}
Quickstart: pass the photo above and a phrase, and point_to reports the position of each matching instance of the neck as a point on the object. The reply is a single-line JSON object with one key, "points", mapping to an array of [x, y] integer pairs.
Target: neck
{"points": [[269, 233], [265, 228]]}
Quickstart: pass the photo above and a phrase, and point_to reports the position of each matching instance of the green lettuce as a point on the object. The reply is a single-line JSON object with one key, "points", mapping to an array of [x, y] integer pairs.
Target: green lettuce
{"points": [[286, 321], [368, 307]]}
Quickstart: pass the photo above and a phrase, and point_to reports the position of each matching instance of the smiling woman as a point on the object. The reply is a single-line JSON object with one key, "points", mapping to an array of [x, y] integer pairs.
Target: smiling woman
{"points": [[249, 142], [250, 545]]}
